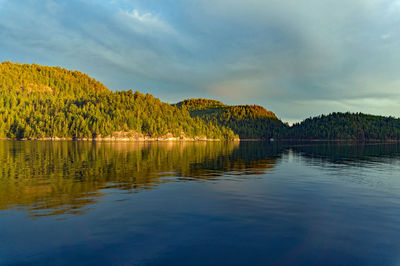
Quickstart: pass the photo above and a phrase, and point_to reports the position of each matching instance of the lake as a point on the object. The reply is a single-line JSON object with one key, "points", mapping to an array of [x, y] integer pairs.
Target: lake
{"points": [[204, 203]]}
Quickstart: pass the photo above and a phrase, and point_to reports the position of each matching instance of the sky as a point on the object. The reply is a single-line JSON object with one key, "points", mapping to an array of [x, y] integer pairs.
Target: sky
{"points": [[296, 58]]}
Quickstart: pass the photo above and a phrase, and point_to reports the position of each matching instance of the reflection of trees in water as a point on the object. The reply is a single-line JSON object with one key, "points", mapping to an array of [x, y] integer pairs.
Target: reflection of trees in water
{"points": [[62, 177], [53, 178], [371, 165], [250, 158], [349, 153]]}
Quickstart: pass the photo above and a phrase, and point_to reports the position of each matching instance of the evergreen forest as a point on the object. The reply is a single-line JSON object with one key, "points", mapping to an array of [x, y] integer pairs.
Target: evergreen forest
{"points": [[38, 102], [43, 102]]}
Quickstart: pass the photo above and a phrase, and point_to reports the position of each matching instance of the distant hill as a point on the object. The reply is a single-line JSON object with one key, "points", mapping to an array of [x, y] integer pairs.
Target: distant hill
{"points": [[346, 126], [248, 121], [42, 102]]}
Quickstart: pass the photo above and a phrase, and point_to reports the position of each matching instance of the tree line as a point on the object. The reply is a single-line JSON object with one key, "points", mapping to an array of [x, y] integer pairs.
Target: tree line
{"points": [[45, 102], [346, 126], [255, 122]]}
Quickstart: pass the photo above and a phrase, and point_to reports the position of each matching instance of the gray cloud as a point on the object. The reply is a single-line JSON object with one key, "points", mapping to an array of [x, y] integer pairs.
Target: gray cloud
{"points": [[297, 58]]}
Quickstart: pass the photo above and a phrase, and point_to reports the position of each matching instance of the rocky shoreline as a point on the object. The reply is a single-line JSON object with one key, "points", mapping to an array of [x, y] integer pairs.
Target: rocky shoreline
{"points": [[127, 136], [121, 139]]}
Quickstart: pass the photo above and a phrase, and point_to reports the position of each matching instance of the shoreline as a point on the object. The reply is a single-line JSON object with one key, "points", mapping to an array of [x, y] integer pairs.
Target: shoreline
{"points": [[122, 139], [112, 139]]}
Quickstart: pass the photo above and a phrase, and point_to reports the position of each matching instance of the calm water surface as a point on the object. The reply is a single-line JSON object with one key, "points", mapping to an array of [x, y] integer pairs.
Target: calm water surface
{"points": [[81, 203]]}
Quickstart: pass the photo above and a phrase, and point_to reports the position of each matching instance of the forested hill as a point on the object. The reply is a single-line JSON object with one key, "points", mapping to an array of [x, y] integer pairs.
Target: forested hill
{"points": [[41, 102], [248, 121], [51, 102], [346, 126], [254, 122]]}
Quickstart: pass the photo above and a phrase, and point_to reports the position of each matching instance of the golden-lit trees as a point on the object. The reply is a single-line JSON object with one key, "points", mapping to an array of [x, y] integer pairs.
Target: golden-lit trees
{"points": [[40, 101]]}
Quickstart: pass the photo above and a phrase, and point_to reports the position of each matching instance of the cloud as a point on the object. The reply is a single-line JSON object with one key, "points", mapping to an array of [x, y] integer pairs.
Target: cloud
{"points": [[145, 23], [323, 52], [146, 17], [297, 58], [96, 39]]}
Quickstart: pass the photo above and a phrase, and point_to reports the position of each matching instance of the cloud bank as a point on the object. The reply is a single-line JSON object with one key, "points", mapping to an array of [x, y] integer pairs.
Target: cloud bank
{"points": [[297, 58]]}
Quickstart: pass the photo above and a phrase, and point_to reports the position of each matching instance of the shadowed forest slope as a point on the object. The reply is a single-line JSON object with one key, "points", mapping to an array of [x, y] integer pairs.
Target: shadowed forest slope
{"points": [[248, 121]]}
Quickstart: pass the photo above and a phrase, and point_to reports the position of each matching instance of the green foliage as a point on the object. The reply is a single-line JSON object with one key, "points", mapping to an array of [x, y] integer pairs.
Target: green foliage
{"points": [[254, 122], [346, 126], [45, 102], [248, 121], [40, 101]]}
